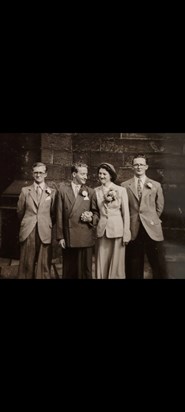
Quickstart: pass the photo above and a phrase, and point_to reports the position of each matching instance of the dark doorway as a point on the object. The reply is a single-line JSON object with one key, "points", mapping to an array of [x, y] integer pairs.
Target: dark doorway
{"points": [[8, 159], [18, 152]]}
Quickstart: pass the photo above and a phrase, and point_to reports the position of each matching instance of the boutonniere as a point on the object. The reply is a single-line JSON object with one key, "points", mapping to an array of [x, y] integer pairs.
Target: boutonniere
{"points": [[150, 185], [85, 194], [48, 191]]}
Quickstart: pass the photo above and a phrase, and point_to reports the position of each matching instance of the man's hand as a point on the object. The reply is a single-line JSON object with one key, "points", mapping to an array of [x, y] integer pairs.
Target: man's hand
{"points": [[62, 243]]}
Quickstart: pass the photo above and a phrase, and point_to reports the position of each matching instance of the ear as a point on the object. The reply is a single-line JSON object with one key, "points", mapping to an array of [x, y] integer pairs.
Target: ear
{"points": [[146, 167], [74, 174]]}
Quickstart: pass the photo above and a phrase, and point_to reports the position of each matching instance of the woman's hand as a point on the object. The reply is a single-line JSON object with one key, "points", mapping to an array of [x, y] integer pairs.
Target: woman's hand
{"points": [[125, 243], [86, 216]]}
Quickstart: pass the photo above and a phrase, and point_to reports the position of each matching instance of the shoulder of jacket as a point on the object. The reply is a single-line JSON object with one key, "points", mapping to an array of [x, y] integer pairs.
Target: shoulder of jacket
{"points": [[122, 189], [26, 188], [155, 182], [53, 190], [90, 189], [63, 186], [126, 182], [118, 187], [97, 189], [53, 186]]}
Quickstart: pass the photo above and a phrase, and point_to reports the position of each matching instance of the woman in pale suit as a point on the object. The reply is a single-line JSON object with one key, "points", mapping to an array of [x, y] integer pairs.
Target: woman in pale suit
{"points": [[110, 207]]}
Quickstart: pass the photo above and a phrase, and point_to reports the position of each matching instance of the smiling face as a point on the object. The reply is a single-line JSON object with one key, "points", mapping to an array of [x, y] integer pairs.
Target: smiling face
{"points": [[80, 177], [139, 166], [104, 176], [39, 174]]}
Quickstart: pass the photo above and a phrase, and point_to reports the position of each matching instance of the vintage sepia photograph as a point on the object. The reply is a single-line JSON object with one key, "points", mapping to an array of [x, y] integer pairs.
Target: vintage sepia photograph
{"points": [[92, 206]]}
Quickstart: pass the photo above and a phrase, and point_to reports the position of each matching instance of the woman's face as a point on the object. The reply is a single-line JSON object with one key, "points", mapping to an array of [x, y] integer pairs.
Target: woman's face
{"points": [[104, 176]]}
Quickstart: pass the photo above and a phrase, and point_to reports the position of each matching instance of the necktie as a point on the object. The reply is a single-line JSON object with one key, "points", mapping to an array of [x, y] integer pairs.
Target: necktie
{"points": [[39, 193], [77, 188], [139, 189]]}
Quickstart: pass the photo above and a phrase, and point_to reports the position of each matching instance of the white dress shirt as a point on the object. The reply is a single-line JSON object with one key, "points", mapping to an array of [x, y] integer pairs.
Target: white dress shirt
{"points": [[41, 185], [75, 188]]}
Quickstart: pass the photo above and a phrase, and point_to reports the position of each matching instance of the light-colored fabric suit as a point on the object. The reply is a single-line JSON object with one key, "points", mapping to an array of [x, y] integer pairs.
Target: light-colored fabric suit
{"points": [[113, 229], [115, 219], [78, 235], [146, 229], [35, 218], [147, 211]]}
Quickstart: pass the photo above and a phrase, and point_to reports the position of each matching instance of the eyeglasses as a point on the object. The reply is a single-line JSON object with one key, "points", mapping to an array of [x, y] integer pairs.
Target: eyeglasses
{"points": [[139, 165], [39, 173]]}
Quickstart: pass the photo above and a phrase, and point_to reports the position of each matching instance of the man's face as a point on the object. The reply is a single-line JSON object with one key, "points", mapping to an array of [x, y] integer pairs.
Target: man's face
{"points": [[80, 177], [39, 174], [139, 166]]}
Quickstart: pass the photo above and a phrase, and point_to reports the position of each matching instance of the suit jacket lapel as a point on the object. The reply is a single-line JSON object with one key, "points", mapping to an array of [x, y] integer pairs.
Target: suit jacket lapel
{"points": [[145, 189], [33, 194], [132, 187], [70, 194], [44, 195], [78, 201]]}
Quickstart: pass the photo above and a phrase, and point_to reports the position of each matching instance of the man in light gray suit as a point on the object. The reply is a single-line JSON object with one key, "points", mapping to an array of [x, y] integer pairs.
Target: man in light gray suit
{"points": [[36, 211], [146, 203]]}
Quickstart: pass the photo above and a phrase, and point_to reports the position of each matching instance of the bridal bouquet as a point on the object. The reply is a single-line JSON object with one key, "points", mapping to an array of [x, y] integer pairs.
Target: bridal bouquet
{"points": [[86, 216], [110, 196]]}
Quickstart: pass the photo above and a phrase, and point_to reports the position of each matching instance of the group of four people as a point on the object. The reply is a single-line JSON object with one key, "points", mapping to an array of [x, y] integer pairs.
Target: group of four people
{"points": [[123, 222]]}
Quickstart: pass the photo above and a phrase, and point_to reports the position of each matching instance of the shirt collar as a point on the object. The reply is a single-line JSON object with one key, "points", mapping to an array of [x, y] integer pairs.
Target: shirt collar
{"points": [[42, 185], [74, 185], [143, 178]]}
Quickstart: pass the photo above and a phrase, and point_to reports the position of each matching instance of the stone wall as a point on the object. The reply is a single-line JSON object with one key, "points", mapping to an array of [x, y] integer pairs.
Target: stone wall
{"points": [[166, 154], [18, 151]]}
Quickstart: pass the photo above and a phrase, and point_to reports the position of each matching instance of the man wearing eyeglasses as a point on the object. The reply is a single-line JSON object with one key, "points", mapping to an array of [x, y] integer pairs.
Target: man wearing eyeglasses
{"points": [[146, 203], [36, 211]]}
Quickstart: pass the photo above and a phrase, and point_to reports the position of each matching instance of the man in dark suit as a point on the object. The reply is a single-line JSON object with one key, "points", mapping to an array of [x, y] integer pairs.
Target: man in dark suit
{"points": [[36, 210], [146, 203], [74, 224]]}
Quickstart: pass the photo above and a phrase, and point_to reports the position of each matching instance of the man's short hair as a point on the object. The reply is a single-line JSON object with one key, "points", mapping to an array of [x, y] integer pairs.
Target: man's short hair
{"points": [[38, 164], [75, 166], [140, 155]]}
